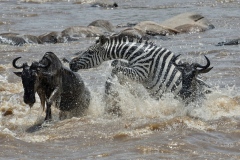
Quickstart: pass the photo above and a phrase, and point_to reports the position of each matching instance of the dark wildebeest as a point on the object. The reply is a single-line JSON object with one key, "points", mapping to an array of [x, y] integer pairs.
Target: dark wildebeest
{"points": [[54, 83], [190, 72]]}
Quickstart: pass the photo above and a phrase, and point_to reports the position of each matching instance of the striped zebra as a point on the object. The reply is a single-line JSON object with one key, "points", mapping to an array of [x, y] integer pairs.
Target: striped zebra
{"points": [[157, 68]]}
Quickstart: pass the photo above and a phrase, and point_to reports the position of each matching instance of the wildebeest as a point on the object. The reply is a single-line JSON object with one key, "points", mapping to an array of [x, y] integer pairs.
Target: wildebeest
{"points": [[190, 72], [54, 83]]}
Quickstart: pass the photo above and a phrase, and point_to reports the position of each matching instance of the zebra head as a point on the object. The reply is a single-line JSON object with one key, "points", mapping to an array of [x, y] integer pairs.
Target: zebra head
{"points": [[90, 58], [189, 75]]}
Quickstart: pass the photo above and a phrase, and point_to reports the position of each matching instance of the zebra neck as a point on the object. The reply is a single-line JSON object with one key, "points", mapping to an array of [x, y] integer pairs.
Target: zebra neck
{"points": [[117, 49]]}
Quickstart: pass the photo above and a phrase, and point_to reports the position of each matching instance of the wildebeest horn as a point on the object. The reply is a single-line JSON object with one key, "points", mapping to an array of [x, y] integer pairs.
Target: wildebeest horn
{"points": [[47, 65], [14, 63], [203, 67]]}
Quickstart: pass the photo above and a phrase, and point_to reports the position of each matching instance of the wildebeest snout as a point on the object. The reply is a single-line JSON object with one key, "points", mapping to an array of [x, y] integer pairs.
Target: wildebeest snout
{"points": [[29, 99]]}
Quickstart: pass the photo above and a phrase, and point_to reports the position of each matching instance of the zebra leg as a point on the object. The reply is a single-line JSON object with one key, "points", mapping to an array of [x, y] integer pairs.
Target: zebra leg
{"points": [[111, 93], [118, 62], [120, 73], [128, 72], [112, 97], [114, 77]]}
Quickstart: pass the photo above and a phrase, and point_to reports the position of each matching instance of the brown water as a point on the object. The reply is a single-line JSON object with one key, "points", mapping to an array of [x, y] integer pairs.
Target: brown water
{"points": [[148, 129]]}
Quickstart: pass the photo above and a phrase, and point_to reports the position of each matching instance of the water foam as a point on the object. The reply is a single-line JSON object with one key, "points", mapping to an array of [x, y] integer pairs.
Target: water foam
{"points": [[135, 102], [222, 102], [136, 105]]}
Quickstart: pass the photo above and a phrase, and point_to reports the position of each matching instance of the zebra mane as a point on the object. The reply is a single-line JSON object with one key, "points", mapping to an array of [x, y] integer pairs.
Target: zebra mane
{"points": [[125, 38]]}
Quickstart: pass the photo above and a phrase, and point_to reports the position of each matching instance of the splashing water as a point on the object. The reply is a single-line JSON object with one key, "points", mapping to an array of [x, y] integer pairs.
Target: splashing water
{"points": [[148, 129]]}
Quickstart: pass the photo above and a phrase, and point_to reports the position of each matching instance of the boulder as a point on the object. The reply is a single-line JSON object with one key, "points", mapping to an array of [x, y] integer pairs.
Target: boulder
{"points": [[32, 39], [104, 24], [133, 32], [153, 28], [105, 4], [94, 29], [188, 22], [230, 42], [182, 23], [74, 33], [52, 37], [17, 39]]}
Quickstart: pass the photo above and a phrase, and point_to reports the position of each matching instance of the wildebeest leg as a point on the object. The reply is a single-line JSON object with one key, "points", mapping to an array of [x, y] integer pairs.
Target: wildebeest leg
{"points": [[42, 97], [48, 113], [55, 95]]}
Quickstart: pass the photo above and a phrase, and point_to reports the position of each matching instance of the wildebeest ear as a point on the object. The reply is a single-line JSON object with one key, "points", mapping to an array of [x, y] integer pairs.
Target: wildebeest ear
{"points": [[102, 40], [19, 74]]}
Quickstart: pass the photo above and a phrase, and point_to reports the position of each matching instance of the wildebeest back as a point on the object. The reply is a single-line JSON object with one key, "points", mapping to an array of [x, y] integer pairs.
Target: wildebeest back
{"points": [[72, 95]]}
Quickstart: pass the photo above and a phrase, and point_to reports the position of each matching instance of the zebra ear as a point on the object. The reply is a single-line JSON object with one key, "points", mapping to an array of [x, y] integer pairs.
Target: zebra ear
{"points": [[102, 40]]}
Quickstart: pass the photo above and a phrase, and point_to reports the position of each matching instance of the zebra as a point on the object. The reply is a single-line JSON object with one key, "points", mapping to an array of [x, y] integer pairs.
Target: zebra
{"points": [[156, 68]]}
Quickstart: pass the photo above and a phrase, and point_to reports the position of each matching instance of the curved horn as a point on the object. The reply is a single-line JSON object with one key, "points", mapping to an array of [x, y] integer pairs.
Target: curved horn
{"points": [[14, 63], [47, 65], [203, 67], [174, 60]]}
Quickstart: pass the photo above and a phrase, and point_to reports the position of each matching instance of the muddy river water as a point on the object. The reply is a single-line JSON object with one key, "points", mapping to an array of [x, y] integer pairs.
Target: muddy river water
{"points": [[148, 129]]}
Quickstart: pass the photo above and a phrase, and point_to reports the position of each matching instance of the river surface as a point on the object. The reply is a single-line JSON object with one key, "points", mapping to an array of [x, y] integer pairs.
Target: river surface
{"points": [[148, 129]]}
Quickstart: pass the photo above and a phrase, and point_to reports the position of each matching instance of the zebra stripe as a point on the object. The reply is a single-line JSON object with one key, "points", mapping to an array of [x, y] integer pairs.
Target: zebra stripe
{"points": [[148, 64]]}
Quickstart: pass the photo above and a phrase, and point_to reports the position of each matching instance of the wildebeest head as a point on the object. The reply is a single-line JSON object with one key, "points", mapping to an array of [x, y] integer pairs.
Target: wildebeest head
{"points": [[189, 75], [30, 79]]}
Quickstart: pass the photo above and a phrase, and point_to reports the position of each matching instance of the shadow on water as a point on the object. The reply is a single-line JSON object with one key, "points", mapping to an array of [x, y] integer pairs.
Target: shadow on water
{"points": [[39, 126], [34, 128]]}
